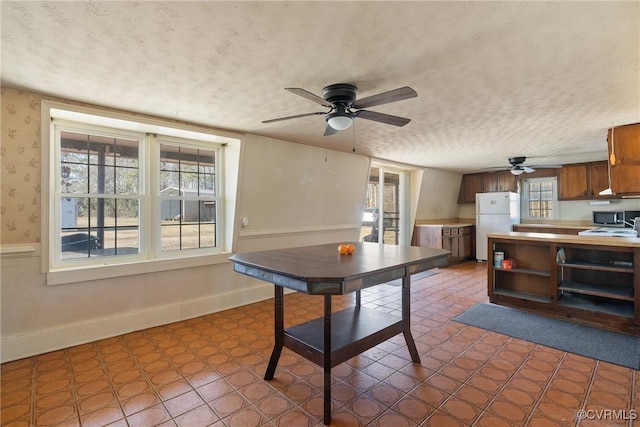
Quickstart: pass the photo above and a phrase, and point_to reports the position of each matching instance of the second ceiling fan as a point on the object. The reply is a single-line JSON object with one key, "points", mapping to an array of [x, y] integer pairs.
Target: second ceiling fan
{"points": [[518, 167], [340, 98]]}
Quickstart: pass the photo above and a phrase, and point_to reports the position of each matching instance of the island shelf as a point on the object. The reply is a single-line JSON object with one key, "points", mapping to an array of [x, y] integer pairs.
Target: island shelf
{"points": [[590, 280]]}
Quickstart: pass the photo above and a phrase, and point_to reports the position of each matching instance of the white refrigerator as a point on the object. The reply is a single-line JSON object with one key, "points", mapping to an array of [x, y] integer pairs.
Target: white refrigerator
{"points": [[495, 213]]}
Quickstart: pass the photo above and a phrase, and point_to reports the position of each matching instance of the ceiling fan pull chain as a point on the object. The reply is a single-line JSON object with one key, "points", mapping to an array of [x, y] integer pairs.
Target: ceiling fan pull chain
{"points": [[353, 138], [612, 157]]}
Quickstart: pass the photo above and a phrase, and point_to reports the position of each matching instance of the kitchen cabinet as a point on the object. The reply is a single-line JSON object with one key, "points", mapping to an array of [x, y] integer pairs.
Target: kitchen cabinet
{"points": [[459, 239], [573, 182], [599, 180], [583, 181], [485, 183], [625, 171], [498, 181], [572, 277], [507, 182], [470, 185]]}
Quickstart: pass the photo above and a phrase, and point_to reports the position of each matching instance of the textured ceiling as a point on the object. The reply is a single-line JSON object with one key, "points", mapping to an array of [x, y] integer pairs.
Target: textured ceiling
{"points": [[494, 79]]}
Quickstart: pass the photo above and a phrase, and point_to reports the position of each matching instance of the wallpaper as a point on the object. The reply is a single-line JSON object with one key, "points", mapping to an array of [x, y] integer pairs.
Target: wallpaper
{"points": [[20, 175]]}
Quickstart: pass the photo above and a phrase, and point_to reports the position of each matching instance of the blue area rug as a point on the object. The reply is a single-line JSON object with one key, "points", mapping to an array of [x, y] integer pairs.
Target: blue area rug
{"points": [[607, 346]]}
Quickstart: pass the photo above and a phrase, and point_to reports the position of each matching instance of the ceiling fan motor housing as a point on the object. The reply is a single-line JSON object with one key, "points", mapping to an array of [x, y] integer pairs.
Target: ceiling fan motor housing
{"points": [[340, 94], [514, 161]]}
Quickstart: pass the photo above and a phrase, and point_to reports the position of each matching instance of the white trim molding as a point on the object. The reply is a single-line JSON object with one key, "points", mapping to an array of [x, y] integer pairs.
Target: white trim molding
{"points": [[269, 232], [20, 250], [43, 341]]}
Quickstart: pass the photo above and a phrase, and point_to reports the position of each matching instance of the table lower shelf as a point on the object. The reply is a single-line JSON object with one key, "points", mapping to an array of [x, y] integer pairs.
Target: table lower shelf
{"points": [[353, 331]]}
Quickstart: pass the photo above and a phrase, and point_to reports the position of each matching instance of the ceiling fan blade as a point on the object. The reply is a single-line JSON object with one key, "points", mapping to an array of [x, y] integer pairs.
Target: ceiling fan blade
{"points": [[382, 118], [386, 97], [528, 169], [329, 131], [293, 117], [306, 94]]}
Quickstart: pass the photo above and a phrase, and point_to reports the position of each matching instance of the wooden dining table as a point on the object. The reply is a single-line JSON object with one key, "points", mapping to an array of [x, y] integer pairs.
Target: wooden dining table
{"points": [[321, 270]]}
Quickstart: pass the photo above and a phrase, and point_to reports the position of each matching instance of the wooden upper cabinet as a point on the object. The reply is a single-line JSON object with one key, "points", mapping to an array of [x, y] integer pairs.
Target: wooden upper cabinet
{"points": [[471, 184], [625, 172], [485, 183], [598, 179], [489, 182], [573, 182], [506, 181], [498, 181]]}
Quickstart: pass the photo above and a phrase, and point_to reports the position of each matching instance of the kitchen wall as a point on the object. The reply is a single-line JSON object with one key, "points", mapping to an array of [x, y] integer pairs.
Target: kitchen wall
{"points": [[580, 210], [571, 210], [292, 195]]}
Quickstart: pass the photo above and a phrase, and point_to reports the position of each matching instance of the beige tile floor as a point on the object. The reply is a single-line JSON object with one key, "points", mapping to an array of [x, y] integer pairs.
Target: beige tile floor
{"points": [[208, 371]]}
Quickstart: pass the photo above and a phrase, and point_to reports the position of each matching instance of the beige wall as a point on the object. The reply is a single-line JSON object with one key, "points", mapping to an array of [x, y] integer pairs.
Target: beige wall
{"points": [[438, 197], [292, 194]]}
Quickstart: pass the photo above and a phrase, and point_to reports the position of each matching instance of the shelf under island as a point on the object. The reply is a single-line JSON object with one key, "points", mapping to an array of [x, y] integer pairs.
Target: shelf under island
{"points": [[591, 280]]}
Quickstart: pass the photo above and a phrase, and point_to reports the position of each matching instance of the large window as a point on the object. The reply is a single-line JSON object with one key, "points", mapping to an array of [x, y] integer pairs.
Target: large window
{"points": [[541, 198], [126, 196]]}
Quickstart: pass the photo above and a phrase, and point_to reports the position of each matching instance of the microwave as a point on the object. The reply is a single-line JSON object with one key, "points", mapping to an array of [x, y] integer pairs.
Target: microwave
{"points": [[619, 218]]}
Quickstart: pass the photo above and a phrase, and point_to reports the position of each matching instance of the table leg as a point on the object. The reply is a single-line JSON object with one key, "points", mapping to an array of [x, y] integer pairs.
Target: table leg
{"points": [[406, 318], [358, 299], [327, 359], [278, 332]]}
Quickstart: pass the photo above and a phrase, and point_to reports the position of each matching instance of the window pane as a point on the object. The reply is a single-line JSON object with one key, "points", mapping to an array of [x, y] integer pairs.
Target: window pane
{"points": [[170, 236], [74, 178], [190, 236], [96, 164], [126, 180], [93, 227], [187, 224]]}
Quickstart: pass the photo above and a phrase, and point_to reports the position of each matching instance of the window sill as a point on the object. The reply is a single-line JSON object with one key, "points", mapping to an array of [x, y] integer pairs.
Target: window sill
{"points": [[86, 274]]}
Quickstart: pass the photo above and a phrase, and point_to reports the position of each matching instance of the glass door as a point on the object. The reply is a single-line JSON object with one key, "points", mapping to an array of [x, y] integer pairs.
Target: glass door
{"points": [[383, 214]]}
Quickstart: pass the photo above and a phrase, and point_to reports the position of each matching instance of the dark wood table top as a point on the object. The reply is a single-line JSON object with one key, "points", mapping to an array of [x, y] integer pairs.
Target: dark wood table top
{"points": [[320, 269]]}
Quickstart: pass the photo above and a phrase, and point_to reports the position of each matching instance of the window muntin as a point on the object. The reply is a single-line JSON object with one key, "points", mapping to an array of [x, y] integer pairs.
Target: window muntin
{"points": [[541, 198], [103, 203]]}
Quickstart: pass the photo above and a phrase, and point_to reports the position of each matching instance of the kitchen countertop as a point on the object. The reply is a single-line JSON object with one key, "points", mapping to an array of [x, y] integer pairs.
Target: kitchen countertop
{"points": [[570, 238], [445, 223], [563, 226]]}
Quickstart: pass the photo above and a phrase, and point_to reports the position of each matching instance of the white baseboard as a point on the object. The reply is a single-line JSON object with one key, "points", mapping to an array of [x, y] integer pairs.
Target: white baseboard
{"points": [[39, 342]]}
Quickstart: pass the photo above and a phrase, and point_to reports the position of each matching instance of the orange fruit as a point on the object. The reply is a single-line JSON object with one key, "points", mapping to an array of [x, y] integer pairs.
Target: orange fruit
{"points": [[350, 248], [343, 249]]}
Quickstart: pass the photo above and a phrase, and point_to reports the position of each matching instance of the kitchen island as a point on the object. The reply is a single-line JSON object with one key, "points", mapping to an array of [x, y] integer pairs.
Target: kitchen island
{"points": [[592, 280]]}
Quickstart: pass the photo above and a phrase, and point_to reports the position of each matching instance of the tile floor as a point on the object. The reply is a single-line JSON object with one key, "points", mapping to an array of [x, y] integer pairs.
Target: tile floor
{"points": [[208, 371]]}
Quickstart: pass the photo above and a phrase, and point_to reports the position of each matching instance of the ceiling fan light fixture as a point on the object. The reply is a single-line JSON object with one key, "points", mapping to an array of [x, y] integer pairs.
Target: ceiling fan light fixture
{"points": [[517, 171], [339, 122]]}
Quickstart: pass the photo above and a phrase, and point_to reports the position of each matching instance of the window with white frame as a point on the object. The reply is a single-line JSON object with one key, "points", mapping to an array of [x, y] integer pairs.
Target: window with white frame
{"points": [[541, 198], [126, 196]]}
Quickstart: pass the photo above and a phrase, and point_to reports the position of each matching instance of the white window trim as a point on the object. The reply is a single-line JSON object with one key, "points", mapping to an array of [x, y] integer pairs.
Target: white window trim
{"points": [[91, 115], [525, 201]]}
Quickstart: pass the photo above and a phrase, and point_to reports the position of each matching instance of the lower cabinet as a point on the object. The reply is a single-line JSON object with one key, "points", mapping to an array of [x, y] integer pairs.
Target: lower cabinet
{"points": [[593, 284], [457, 239]]}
